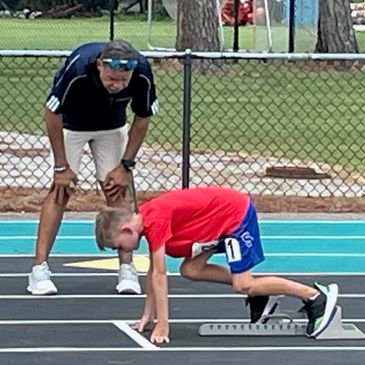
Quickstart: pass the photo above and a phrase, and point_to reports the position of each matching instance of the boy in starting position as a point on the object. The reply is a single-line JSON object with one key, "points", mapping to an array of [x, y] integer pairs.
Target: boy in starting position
{"points": [[195, 224]]}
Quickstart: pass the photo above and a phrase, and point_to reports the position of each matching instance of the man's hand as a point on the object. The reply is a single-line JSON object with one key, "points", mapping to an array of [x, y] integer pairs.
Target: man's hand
{"points": [[64, 183], [116, 183], [160, 334]]}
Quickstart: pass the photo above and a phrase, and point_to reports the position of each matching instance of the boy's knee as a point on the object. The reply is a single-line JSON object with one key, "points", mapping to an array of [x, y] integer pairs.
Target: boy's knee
{"points": [[242, 286], [189, 271]]}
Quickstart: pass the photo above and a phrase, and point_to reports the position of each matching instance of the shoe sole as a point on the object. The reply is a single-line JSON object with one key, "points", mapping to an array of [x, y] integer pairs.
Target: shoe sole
{"points": [[128, 287], [35, 292], [128, 292], [329, 312]]}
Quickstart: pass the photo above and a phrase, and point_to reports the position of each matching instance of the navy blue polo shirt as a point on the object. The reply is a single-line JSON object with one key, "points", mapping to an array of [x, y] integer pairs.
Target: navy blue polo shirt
{"points": [[78, 94]]}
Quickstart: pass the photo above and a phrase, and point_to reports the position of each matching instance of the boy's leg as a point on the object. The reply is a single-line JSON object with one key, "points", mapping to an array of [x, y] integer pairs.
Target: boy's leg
{"points": [[244, 251], [198, 269], [108, 149], [319, 302], [270, 285], [50, 220]]}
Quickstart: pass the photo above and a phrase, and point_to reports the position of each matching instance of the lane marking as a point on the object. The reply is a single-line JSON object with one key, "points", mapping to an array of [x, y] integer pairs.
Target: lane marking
{"points": [[304, 237], [70, 221], [312, 221], [16, 322], [58, 238], [113, 274], [320, 254], [134, 335], [15, 221], [142, 257], [139, 296], [55, 255], [264, 237], [183, 349], [141, 263]]}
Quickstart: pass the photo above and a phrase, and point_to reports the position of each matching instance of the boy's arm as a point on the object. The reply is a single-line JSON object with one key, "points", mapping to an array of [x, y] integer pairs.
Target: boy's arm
{"points": [[149, 308], [160, 333]]}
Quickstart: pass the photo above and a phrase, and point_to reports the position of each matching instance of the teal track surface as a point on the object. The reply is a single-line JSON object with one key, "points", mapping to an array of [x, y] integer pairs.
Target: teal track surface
{"points": [[291, 246]]}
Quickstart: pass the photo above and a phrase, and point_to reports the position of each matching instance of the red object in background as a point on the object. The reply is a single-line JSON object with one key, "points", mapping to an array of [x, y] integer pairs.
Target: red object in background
{"points": [[244, 12]]}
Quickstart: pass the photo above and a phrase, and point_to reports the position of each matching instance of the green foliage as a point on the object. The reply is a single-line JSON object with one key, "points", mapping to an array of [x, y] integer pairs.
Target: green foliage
{"points": [[44, 5], [159, 11]]}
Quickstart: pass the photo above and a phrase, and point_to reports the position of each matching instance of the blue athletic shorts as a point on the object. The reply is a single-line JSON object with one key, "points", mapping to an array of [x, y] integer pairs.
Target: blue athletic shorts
{"points": [[243, 247]]}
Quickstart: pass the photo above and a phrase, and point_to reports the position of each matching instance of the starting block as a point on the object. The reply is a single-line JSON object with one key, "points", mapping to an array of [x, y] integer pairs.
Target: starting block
{"points": [[282, 324]]}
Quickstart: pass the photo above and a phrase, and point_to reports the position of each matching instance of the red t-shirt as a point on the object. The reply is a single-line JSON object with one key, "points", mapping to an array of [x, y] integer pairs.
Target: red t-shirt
{"points": [[179, 218]]}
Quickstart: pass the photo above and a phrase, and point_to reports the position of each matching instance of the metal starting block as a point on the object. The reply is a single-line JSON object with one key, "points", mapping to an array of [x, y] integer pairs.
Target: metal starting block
{"points": [[282, 324]]}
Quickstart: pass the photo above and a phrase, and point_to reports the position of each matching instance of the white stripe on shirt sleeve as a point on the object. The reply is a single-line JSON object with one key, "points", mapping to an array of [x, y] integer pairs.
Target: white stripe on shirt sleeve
{"points": [[53, 103]]}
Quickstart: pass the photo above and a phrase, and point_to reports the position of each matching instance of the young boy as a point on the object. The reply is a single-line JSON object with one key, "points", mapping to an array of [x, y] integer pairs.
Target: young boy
{"points": [[195, 224]]}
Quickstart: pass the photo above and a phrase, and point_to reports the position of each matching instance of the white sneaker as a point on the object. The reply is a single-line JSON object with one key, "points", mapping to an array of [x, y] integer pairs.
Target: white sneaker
{"points": [[39, 282], [128, 280]]}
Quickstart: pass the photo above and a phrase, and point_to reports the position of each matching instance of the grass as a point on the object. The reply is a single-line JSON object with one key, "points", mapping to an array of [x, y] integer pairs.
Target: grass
{"points": [[65, 34], [273, 109]]}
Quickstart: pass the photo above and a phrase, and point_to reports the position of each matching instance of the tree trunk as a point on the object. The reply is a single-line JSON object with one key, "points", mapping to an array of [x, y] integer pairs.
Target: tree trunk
{"points": [[335, 31], [198, 30], [198, 25]]}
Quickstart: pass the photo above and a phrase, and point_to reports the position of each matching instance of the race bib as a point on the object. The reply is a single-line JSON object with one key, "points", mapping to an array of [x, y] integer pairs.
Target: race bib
{"points": [[200, 247], [233, 250]]}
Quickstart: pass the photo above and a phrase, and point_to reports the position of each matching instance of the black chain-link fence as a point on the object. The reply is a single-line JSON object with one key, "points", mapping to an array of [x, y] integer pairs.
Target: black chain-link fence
{"points": [[271, 125]]}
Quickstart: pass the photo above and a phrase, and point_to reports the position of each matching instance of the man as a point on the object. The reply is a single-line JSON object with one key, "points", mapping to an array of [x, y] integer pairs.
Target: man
{"points": [[87, 104], [195, 224]]}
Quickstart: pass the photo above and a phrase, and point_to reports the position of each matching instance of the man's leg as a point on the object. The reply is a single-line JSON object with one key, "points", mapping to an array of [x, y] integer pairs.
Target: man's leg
{"points": [[49, 222], [39, 282], [108, 148]]}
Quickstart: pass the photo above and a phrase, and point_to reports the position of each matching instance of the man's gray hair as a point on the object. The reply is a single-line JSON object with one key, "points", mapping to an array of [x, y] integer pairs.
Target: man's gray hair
{"points": [[119, 49]]}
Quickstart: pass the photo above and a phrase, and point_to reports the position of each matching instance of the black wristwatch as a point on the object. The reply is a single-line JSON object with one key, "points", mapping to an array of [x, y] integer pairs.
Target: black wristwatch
{"points": [[128, 164]]}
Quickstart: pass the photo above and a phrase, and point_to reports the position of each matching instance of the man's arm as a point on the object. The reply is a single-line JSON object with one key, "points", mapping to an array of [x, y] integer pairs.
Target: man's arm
{"points": [[55, 134], [116, 180], [137, 133], [62, 178], [160, 333]]}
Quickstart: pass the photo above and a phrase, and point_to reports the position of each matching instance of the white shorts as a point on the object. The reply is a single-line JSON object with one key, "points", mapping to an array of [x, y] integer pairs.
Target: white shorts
{"points": [[107, 148]]}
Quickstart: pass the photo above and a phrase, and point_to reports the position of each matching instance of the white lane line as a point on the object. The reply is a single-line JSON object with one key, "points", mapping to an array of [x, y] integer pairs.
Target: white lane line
{"points": [[184, 349], [63, 255], [134, 335], [264, 237], [139, 296], [115, 273], [58, 238], [14, 221], [66, 275], [36, 322], [276, 254], [320, 254], [304, 237], [311, 221]]}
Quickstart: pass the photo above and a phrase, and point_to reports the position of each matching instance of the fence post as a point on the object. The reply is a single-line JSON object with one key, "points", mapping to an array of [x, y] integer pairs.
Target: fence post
{"points": [[291, 13], [186, 119], [111, 20], [236, 45]]}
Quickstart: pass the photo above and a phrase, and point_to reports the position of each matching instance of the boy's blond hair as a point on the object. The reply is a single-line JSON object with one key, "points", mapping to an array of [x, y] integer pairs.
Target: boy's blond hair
{"points": [[107, 222]]}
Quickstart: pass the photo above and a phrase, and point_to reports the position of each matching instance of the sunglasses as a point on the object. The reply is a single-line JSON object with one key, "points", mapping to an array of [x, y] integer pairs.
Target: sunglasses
{"points": [[125, 65]]}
